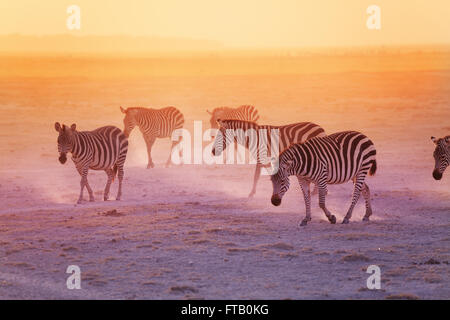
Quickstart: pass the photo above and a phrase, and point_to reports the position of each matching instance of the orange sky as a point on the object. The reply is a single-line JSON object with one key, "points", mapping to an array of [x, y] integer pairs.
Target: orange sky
{"points": [[241, 23]]}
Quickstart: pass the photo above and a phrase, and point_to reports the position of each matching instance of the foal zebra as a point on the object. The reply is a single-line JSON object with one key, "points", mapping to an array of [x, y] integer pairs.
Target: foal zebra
{"points": [[102, 149], [244, 112], [288, 134], [441, 156], [153, 123], [334, 159]]}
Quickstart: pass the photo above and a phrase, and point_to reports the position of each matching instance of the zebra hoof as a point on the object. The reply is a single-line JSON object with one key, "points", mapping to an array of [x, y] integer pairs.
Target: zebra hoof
{"points": [[150, 165], [345, 221], [304, 222], [105, 198], [366, 219], [332, 219]]}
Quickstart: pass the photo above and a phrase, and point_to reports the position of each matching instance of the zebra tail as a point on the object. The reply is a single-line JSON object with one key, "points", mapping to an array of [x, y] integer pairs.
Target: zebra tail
{"points": [[115, 169], [373, 169]]}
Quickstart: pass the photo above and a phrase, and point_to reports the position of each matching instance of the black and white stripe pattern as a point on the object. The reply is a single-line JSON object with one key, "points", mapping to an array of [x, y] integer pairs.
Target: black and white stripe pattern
{"points": [[334, 159], [102, 149], [287, 135], [244, 112], [153, 123], [441, 156]]}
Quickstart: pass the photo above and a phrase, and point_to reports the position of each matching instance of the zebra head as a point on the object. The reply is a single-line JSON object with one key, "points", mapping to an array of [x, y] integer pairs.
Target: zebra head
{"points": [[65, 140], [129, 122], [280, 180], [222, 138], [215, 115], [441, 156]]}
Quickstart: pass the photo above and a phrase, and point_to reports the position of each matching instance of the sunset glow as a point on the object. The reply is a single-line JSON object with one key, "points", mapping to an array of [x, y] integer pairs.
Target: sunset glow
{"points": [[235, 23]]}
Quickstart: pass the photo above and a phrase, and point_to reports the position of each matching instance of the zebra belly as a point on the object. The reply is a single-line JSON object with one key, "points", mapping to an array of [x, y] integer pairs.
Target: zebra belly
{"points": [[343, 176], [102, 165]]}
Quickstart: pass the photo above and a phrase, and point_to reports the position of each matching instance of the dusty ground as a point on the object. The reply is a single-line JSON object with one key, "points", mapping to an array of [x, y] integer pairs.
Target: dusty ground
{"points": [[189, 231]]}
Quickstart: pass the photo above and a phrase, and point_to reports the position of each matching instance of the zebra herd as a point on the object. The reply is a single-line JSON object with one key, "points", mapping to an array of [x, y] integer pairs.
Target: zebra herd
{"points": [[306, 152]]}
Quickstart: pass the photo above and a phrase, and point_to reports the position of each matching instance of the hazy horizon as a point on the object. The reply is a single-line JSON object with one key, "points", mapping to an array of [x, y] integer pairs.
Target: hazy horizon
{"points": [[126, 44], [235, 24]]}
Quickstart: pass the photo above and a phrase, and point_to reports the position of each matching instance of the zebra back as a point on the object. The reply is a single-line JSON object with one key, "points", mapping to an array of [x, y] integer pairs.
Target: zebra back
{"points": [[287, 134], [244, 112], [158, 123], [342, 154]]}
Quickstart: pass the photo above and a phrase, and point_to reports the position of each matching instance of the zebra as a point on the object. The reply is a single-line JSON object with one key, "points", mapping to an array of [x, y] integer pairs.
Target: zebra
{"points": [[333, 159], [288, 134], [244, 112], [441, 156], [104, 148], [153, 123]]}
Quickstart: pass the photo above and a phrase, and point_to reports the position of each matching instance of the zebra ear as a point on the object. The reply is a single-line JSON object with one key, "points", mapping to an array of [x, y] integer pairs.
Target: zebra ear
{"points": [[73, 127], [209, 112], [123, 110], [434, 140], [57, 126]]}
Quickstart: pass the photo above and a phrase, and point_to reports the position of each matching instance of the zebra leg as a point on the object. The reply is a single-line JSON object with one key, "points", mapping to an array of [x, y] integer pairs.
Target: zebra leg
{"points": [[366, 195], [359, 182], [322, 186], [255, 179], [120, 175], [238, 154], [110, 174], [84, 182], [174, 143], [316, 190], [91, 193], [306, 194], [150, 141]]}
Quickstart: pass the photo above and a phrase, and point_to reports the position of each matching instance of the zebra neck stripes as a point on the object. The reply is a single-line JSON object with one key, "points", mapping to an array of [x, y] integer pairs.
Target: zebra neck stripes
{"points": [[441, 156]]}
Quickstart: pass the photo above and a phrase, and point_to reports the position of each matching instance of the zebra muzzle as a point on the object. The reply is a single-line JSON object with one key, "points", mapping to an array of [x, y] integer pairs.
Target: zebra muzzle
{"points": [[437, 175], [62, 158], [276, 200]]}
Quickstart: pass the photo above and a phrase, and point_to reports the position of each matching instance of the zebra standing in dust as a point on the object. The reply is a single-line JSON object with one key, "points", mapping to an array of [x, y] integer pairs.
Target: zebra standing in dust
{"points": [[441, 156], [334, 159], [102, 149], [288, 135], [153, 123], [244, 112]]}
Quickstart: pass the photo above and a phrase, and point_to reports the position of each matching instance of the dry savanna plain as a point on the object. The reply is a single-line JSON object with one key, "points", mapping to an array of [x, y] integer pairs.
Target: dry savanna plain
{"points": [[189, 231]]}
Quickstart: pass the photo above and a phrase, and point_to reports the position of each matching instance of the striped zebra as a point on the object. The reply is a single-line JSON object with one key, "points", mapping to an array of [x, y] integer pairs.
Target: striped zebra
{"points": [[441, 156], [153, 123], [334, 159], [244, 112], [104, 148], [288, 134]]}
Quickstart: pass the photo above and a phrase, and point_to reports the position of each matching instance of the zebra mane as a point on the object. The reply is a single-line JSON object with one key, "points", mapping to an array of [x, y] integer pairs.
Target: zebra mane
{"points": [[138, 108], [238, 120], [148, 109]]}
